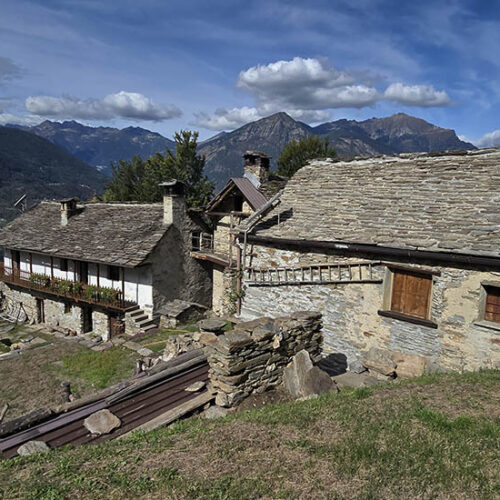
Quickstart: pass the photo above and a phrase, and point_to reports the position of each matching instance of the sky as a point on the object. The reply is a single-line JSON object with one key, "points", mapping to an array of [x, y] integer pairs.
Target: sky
{"points": [[205, 65]]}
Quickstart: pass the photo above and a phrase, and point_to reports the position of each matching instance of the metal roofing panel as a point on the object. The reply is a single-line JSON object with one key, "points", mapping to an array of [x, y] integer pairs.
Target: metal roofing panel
{"points": [[250, 192]]}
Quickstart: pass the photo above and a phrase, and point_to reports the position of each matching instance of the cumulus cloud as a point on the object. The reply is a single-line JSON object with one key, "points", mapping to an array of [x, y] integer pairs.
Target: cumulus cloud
{"points": [[228, 119], [489, 140], [305, 84], [416, 95], [8, 118], [306, 88], [122, 104]]}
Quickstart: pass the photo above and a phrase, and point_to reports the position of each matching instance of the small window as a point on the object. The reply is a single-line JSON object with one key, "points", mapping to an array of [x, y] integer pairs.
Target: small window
{"points": [[492, 304], [68, 308], [113, 273], [64, 264], [411, 294]]}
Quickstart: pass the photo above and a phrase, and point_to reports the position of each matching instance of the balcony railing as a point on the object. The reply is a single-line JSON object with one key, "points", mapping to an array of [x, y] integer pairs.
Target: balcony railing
{"points": [[202, 242], [72, 290]]}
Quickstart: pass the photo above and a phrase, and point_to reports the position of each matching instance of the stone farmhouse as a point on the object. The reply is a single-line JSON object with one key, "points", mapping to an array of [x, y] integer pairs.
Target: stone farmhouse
{"points": [[102, 267], [401, 255], [241, 198]]}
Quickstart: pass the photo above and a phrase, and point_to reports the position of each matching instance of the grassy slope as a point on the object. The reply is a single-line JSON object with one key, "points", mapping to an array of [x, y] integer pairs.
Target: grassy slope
{"points": [[434, 437]]}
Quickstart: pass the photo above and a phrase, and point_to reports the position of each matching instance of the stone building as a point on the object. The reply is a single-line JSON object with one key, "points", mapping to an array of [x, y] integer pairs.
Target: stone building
{"points": [[401, 255], [89, 267], [240, 199]]}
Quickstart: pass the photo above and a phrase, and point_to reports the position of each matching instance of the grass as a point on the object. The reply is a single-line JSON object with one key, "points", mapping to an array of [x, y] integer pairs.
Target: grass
{"points": [[99, 369], [433, 437]]}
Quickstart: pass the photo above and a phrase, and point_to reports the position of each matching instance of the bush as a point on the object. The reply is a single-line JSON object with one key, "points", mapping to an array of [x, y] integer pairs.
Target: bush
{"points": [[40, 279]]}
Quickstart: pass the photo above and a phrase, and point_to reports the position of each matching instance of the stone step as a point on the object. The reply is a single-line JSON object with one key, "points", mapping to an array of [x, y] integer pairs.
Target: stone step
{"points": [[140, 319], [136, 313], [146, 322]]}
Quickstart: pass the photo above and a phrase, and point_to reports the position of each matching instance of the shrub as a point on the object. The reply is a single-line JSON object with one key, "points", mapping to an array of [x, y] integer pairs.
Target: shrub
{"points": [[39, 279]]}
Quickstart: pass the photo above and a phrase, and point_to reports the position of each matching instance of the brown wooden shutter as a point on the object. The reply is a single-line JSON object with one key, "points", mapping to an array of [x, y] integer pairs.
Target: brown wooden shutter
{"points": [[492, 309], [411, 294]]}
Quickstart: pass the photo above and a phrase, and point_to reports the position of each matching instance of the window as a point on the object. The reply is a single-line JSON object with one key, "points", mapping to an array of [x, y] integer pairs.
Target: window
{"points": [[113, 273], [411, 294], [492, 304], [408, 295], [63, 263]]}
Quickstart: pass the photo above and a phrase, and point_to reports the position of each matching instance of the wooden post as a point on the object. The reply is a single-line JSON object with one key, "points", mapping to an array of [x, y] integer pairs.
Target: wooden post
{"points": [[123, 284], [98, 274], [31, 263], [51, 267]]}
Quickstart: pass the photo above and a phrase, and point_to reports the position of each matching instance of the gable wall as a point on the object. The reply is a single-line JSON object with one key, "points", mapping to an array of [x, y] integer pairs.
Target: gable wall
{"points": [[351, 322]]}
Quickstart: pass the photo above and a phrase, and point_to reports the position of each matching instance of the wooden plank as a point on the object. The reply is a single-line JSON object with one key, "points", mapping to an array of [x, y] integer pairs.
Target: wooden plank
{"points": [[174, 414]]}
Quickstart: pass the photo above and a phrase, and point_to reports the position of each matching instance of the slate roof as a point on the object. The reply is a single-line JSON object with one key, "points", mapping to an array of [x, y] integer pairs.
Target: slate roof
{"points": [[122, 234], [447, 202]]}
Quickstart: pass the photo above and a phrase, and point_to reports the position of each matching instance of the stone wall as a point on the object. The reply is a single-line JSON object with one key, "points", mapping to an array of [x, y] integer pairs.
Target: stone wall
{"points": [[100, 324], [224, 290], [251, 358], [56, 316], [352, 325]]}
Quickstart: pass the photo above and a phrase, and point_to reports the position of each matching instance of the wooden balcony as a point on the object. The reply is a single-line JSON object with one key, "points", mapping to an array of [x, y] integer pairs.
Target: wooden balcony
{"points": [[65, 289], [202, 248]]}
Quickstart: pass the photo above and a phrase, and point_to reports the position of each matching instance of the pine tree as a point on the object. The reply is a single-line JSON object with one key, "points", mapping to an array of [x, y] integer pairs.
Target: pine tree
{"points": [[296, 154], [139, 180]]}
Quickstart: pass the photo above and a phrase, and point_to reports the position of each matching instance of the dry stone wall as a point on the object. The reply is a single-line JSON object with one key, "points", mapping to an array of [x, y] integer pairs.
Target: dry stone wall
{"points": [[251, 358]]}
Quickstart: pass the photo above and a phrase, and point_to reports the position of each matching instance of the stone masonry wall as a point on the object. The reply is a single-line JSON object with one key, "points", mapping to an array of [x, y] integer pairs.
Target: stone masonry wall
{"points": [[251, 358], [351, 324], [100, 324]]}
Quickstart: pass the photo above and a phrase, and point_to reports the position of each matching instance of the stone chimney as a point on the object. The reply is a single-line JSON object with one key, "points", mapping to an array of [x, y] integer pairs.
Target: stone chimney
{"points": [[256, 167], [68, 209], [174, 206]]}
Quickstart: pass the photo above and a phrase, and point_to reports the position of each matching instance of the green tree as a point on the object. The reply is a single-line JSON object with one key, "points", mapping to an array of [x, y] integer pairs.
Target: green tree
{"points": [[139, 180], [296, 154]]}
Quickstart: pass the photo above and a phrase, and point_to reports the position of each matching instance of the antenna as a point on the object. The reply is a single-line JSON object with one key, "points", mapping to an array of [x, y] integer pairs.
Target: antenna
{"points": [[21, 203]]}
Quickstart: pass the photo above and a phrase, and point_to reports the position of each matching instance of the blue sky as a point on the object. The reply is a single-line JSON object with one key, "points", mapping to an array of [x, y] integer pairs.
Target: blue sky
{"points": [[214, 65]]}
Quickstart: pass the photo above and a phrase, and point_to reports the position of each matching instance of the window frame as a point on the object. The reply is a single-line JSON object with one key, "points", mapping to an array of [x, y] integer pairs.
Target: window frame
{"points": [[387, 311], [483, 293]]}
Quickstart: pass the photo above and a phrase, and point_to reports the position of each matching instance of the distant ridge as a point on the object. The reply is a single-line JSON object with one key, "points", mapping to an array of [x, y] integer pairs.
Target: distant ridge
{"points": [[34, 166], [399, 133]]}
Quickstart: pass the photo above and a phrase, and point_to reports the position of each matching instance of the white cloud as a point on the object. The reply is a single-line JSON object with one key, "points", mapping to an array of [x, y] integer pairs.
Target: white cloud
{"points": [[306, 88], [416, 95], [122, 104], [7, 118], [229, 119], [489, 140], [305, 84]]}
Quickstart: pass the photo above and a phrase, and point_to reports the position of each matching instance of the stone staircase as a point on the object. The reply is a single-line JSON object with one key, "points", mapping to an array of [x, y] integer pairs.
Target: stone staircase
{"points": [[136, 320]]}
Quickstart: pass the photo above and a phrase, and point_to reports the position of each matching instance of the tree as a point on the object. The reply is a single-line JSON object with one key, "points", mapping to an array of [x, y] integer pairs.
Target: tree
{"points": [[296, 154], [139, 180]]}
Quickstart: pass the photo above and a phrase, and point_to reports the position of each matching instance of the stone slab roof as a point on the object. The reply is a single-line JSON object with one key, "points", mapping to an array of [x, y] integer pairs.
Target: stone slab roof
{"points": [[121, 234], [447, 202]]}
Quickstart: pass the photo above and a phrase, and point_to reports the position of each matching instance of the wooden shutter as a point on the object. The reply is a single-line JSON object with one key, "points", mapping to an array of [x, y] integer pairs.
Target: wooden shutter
{"points": [[411, 294], [492, 309]]}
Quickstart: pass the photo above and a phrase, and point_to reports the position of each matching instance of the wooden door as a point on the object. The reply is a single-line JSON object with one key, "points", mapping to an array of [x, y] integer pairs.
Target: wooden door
{"points": [[411, 294], [40, 309]]}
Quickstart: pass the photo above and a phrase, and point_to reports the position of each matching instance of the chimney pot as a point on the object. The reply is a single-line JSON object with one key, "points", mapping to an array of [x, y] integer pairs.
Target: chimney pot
{"points": [[174, 207], [256, 167], [68, 209]]}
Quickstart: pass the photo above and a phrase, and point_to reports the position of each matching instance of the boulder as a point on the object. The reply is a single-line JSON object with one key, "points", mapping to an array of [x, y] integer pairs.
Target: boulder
{"points": [[302, 379], [215, 412], [408, 365], [380, 361], [212, 325], [31, 447], [355, 380], [102, 422]]}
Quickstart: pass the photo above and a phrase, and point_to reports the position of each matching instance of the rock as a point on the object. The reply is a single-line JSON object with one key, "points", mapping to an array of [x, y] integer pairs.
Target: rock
{"points": [[380, 361], [31, 447], [102, 422], [215, 412], [212, 325], [355, 380], [356, 366], [102, 347], [195, 386], [29, 338], [38, 341], [301, 379], [408, 365], [11, 354], [145, 351]]}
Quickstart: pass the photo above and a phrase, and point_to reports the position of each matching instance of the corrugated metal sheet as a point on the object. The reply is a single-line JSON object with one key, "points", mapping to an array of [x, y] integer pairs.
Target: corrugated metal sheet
{"points": [[134, 409], [250, 192]]}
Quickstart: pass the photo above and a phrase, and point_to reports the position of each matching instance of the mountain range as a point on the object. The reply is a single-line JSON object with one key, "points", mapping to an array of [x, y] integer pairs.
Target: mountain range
{"points": [[400, 133], [34, 166]]}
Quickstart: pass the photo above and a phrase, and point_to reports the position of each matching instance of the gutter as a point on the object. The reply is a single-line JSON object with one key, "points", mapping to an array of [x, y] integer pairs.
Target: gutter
{"points": [[443, 257]]}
